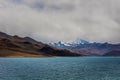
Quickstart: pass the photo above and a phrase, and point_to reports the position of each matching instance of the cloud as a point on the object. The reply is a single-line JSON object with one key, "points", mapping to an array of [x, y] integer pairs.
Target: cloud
{"points": [[65, 20]]}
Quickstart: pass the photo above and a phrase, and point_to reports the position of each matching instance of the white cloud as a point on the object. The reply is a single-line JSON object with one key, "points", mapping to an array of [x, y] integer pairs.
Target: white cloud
{"points": [[66, 20]]}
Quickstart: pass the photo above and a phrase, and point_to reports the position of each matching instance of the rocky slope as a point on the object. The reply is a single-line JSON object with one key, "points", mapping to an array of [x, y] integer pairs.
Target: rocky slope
{"points": [[12, 46], [112, 53]]}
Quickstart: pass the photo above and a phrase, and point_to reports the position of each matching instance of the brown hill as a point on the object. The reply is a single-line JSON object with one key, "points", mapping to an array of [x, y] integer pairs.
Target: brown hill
{"points": [[12, 46]]}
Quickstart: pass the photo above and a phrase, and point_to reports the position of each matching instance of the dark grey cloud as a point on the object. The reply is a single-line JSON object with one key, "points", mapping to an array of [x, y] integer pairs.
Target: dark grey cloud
{"points": [[66, 20]]}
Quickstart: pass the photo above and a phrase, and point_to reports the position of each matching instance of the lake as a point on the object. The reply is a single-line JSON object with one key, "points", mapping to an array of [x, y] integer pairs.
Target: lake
{"points": [[60, 68]]}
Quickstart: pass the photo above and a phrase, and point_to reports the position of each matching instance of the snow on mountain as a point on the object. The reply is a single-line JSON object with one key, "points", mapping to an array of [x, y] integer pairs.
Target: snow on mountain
{"points": [[87, 48], [77, 42]]}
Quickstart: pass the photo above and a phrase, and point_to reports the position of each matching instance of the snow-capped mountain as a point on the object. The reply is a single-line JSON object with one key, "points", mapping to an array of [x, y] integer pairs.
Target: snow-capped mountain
{"points": [[75, 43], [87, 48], [58, 44]]}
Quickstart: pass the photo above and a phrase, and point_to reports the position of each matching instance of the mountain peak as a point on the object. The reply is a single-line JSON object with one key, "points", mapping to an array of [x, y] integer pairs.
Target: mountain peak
{"points": [[77, 42], [4, 35], [81, 41]]}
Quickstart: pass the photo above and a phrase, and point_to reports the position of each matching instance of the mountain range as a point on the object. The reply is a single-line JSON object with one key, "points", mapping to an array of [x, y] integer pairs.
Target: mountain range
{"points": [[89, 49], [15, 46]]}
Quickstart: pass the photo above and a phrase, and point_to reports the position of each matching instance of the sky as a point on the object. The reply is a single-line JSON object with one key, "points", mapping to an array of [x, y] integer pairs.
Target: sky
{"points": [[62, 20]]}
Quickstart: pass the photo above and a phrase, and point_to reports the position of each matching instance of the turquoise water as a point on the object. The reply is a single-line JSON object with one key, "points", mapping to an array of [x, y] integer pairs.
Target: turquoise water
{"points": [[60, 68]]}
